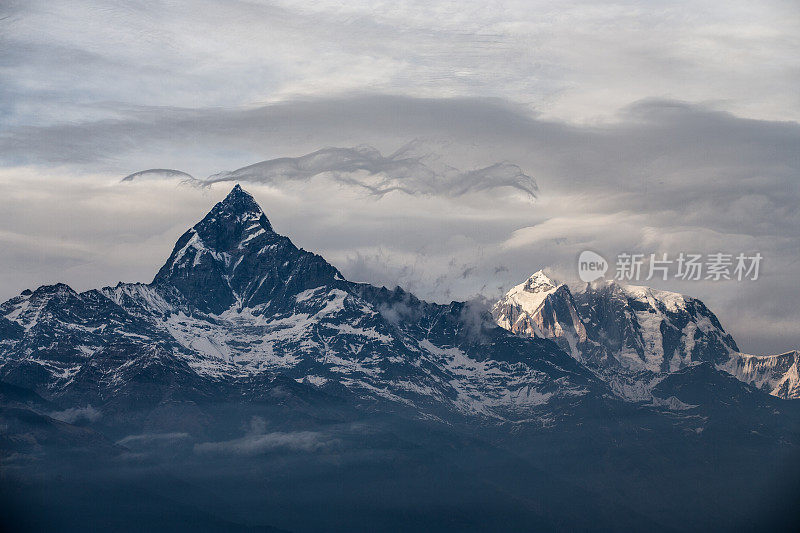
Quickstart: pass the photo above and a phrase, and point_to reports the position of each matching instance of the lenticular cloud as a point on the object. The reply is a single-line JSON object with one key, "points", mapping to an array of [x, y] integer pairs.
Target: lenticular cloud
{"points": [[160, 173], [365, 168]]}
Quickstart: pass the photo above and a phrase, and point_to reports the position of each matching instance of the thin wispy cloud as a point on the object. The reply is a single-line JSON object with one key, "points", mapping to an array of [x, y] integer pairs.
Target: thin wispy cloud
{"points": [[365, 169], [78, 414], [307, 441], [159, 173]]}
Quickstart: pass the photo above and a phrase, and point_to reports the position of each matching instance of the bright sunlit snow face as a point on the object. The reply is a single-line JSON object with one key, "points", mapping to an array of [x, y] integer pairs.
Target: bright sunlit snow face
{"points": [[661, 130]]}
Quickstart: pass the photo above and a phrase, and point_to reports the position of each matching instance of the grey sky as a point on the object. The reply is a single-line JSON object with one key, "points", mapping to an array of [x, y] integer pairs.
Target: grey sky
{"points": [[655, 127]]}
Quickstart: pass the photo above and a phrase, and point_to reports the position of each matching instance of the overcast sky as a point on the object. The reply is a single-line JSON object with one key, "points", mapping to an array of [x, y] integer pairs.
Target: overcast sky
{"points": [[451, 148]]}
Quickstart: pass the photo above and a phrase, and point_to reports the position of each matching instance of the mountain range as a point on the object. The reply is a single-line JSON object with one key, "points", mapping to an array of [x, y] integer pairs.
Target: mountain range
{"points": [[250, 381], [634, 336], [236, 304]]}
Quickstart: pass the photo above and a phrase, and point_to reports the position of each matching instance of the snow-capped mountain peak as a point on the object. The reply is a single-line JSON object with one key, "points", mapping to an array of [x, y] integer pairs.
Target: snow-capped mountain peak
{"points": [[634, 335], [628, 334], [232, 257], [530, 295], [539, 282], [239, 201], [232, 223], [541, 307]]}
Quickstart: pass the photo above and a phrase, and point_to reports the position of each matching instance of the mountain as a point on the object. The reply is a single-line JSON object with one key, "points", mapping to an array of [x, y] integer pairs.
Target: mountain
{"points": [[633, 336], [778, 375], [232, 260], [237, 309], [249, 381]]}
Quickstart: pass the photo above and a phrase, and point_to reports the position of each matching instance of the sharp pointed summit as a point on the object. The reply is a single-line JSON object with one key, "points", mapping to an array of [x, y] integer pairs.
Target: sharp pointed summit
{"points": [[540, 282], [237, 189], [238, 207], [238, 197], [232, 257]]}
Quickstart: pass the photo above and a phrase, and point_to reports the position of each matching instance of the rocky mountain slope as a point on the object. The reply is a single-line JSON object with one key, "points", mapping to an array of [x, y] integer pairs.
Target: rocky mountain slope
{"points": [[777, 374], [633, 336]]}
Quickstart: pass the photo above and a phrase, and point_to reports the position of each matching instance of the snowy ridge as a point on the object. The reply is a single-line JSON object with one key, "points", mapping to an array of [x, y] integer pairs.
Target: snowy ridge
{"points": [[527, 297], [633, 336], [778, 375]]}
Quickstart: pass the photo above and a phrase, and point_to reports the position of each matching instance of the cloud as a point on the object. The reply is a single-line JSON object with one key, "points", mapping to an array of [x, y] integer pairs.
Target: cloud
{"points": [[78, 414], [307, 441], [189, 138], [365, 168], [153, 438], [577, 60], [159, 173]]}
